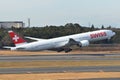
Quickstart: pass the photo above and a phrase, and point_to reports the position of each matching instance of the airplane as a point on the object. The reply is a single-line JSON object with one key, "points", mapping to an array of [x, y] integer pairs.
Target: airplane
{"points": [[60, 43]]}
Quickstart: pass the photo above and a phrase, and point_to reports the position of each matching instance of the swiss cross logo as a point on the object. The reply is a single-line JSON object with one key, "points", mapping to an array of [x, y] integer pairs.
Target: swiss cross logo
{"points": [[15, 38]]}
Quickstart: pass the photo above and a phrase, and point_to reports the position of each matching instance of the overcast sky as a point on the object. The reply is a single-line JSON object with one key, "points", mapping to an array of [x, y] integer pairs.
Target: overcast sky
{"points": [[60, 12]]}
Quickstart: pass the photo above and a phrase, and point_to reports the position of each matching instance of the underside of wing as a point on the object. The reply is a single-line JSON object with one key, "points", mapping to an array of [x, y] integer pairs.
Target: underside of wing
{"points": [[67, 46], [71, 42]]}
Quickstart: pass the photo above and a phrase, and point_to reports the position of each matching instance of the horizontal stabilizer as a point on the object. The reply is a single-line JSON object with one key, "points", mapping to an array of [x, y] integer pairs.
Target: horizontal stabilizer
{"points": [[7, 47]]}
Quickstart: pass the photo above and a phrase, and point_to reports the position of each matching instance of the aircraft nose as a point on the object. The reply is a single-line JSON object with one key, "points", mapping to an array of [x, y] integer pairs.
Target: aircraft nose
{"points": [[113, 33]]}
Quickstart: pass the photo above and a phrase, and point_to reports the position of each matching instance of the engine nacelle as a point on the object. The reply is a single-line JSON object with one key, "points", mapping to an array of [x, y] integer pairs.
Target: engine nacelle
{"points": [[84, 43]]}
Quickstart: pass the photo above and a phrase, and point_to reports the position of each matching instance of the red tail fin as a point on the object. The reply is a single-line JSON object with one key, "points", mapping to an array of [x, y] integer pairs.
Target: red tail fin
{"points": [[16, 38]]}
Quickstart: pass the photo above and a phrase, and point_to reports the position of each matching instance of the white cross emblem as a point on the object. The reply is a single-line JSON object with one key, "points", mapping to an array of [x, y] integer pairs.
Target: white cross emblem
{"points": [[15, 38]]}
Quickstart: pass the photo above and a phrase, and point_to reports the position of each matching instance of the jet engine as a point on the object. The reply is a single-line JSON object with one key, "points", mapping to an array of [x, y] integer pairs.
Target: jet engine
{"points": [[83, 43]]}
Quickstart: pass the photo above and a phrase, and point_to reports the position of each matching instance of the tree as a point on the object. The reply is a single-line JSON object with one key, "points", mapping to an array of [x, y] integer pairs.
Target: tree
{"points": [[109, 27], [102, 27], [92, 27]]}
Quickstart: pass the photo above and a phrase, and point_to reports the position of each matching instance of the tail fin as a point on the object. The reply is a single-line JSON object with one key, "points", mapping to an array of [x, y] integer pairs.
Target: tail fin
{"points": [[17, 40]]}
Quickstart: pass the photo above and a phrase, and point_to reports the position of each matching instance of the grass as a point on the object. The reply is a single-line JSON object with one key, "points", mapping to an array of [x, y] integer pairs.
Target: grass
{"points": [[60, 76], [42, 64], [9, 53]]}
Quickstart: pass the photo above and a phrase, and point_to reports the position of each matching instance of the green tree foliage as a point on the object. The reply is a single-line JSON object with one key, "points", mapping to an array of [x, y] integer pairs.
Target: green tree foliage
{"points": [[92, 27], [102, 27]]}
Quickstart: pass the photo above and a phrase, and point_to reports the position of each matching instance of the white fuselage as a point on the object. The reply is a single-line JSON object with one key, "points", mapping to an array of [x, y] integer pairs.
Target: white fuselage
{"points": [[61, 41]]}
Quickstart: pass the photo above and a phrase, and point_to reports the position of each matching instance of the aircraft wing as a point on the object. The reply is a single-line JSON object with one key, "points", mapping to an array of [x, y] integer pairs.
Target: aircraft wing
{"points": [[37, 39], [67, 46], [71, 42], [74, 42]]}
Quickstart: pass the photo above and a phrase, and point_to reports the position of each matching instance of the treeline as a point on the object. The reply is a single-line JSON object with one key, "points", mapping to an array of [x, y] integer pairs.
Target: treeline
{"points": [[54, 31]]}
